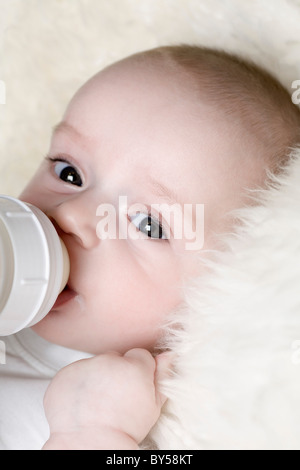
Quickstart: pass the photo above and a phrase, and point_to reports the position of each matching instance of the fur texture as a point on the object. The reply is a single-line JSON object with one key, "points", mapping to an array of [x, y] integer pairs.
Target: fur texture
{"points": [[237, 340], [238, 374], [49, 48]]}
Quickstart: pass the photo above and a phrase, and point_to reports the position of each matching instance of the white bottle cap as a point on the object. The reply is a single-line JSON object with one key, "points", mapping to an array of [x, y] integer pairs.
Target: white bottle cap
{"points": [[34, 265]]}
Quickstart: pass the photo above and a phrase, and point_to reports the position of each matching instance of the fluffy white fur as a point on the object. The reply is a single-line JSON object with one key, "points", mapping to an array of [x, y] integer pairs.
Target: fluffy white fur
{"points": [[238, 364], [238, 371], [49, 48]]}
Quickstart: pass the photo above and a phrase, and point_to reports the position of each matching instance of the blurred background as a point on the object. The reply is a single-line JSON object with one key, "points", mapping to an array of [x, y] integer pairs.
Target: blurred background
{"points": [[49, 48]]}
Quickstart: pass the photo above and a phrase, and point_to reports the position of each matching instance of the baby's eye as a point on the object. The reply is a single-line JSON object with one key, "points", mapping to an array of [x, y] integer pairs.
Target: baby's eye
{"points": [[148, 225], [66, 172]]}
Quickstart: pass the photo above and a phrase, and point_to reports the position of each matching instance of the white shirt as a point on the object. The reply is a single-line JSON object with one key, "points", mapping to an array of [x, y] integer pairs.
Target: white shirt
{"points": [[30, 364]]}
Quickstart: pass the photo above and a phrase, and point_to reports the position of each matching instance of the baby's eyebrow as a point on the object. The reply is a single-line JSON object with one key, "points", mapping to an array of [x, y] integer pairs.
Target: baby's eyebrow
{"points": [[158, 188], [162, 191], [64, 126]]}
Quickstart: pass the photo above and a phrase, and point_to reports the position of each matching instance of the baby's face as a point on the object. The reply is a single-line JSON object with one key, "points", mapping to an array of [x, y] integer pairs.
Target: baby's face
{"points": [[132, 131]]}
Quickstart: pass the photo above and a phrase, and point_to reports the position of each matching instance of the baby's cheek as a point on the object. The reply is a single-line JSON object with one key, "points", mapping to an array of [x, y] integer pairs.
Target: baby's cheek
{"points": [[132, 308]]}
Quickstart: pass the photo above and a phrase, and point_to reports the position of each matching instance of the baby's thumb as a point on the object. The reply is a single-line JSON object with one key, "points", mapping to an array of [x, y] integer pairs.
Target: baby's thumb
{"points": [[163, 371]]}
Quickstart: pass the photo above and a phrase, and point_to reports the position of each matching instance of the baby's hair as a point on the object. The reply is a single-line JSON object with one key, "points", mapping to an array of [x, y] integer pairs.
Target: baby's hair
{"points": [[242, 91]]}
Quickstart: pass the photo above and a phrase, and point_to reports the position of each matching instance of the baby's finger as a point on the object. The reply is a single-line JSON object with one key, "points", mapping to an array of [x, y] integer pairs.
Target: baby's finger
{"points": [[142, 357]]}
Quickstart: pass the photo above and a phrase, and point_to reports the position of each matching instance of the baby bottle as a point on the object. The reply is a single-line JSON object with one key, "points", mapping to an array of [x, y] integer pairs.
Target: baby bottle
{"points": [[34, 265]]}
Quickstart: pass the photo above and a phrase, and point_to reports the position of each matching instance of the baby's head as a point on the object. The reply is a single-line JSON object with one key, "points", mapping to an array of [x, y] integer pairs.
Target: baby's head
{"points": [[172, 126]]}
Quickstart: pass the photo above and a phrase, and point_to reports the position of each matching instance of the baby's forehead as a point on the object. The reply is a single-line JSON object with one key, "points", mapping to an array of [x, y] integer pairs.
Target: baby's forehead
{"points": [[139, 78], [149, 93]]}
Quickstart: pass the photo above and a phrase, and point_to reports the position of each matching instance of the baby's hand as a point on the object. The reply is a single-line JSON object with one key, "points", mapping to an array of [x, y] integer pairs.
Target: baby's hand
{"points": [[106, 402]]}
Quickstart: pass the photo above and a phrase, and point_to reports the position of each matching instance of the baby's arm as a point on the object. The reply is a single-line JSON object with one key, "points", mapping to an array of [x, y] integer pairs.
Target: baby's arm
{"points": [[106, 402]]}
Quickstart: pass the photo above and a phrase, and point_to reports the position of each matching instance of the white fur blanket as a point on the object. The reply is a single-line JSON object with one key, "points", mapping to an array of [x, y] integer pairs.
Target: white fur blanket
{"points": [[238, 356], [49, 48], [238, 367]]}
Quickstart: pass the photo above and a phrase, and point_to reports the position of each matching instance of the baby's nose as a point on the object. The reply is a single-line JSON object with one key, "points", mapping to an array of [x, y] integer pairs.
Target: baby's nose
{"points": [[76, 217]]}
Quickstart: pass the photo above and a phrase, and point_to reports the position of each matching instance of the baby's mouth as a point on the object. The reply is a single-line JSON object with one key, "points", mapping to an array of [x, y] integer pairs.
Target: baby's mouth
{"points": [[65, 296]]}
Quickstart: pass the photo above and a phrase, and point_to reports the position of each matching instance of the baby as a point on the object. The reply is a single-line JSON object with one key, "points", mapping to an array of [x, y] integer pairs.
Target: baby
{"points": [[177, 125]]}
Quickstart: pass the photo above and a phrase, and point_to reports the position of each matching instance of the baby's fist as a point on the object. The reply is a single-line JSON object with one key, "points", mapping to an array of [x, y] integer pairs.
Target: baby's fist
{"points": [[107, 392]]}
